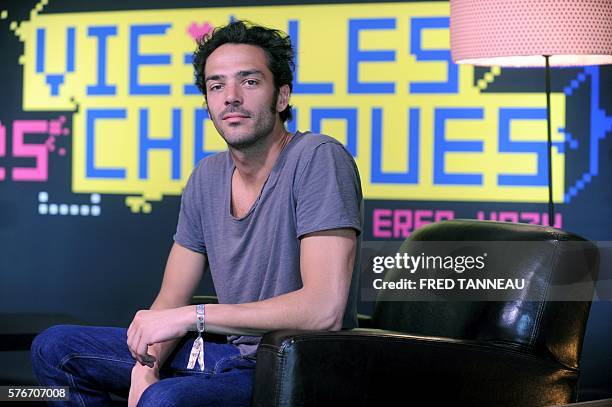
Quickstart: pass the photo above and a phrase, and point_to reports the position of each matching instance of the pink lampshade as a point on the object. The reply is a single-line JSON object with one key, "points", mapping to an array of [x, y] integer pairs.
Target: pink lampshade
{"points": [[519, 32]]}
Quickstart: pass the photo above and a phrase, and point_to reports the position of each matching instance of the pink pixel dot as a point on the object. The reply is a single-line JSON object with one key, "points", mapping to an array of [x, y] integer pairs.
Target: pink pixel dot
{"points": [[55, 127], [50, 143]]}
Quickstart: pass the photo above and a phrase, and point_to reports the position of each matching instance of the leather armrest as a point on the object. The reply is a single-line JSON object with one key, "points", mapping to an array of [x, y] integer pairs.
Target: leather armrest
{"points": [[204, 299], [364, 321], [365, 367]]}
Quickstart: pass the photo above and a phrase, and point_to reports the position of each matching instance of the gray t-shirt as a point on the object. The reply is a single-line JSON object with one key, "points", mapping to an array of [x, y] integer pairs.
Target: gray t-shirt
{"points": [[313, 186]]}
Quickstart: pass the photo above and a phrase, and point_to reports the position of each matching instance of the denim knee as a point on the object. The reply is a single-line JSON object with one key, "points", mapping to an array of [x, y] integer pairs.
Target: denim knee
{"points": [[159, 394], [52, 344]]}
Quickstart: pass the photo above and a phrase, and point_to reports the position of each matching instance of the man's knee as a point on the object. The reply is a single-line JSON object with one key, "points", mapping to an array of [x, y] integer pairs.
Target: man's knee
{"points": [[159, 394], [53, 343], [199, 390]]}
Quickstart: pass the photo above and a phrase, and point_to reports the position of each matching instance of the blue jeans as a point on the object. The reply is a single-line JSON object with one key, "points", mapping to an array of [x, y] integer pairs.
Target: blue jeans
{"points": [[94, 361]]}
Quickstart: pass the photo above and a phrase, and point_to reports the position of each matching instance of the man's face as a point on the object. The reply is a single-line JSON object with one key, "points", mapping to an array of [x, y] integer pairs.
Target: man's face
{"points": [[242, 101]]}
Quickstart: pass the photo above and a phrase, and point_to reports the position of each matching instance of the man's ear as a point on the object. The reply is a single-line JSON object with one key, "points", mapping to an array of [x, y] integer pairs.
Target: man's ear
{"points": [[283, 98]]}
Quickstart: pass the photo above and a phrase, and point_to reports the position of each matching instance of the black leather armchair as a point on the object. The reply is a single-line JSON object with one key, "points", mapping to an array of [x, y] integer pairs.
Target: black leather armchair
{"points": [[453, 352]]}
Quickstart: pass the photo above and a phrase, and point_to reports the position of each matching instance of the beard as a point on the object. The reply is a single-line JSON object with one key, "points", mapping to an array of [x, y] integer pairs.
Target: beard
{"points": [[264, 122]]}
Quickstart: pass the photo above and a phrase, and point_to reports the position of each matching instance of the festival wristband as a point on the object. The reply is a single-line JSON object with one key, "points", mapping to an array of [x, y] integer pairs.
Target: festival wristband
{"points": [[197, 350]]}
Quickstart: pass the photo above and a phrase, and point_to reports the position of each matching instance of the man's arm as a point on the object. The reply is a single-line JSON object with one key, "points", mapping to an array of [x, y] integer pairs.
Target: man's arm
{"points": [[326, 266], [183, 271]]}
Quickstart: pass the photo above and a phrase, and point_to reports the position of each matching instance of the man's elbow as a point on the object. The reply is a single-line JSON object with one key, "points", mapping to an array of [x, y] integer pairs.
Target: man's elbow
{"points": [[330, 321]]}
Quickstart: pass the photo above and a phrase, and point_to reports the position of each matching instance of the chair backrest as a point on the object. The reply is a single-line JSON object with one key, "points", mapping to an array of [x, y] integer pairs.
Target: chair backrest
{"points": [[545, 322]]}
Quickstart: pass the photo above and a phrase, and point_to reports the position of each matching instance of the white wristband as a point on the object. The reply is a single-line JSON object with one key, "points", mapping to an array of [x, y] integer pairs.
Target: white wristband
{"points": [[200, 313]]}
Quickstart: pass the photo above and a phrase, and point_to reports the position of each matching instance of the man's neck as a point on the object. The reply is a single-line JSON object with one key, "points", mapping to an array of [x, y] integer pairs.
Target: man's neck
{"points": [[255, 164]]}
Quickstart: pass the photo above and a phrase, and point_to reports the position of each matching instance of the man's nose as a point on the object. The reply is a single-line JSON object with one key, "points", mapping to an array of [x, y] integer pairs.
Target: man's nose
{"points": [[233, 94]]}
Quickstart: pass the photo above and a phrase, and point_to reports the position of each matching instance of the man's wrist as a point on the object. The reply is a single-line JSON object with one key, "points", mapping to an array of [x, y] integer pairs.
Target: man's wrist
{"points": [[190, 318]]}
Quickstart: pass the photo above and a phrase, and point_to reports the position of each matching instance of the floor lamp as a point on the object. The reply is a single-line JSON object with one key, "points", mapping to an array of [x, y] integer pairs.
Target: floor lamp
{"points": [[532, 33]]}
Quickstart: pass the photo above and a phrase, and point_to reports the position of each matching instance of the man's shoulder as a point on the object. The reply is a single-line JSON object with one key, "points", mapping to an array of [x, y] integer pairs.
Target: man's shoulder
{"points": [[311, 140], [307, 143], [317, 154]]}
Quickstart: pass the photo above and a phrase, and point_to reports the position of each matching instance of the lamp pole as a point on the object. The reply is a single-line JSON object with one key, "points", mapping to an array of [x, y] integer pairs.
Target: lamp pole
{"points": [[551, 205]]}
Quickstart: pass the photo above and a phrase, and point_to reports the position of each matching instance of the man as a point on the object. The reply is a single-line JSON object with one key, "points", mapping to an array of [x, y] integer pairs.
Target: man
{"points": [[276, 218]]}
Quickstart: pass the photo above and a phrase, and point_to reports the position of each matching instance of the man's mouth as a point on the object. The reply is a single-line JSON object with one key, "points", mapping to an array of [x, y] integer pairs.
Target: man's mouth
{"points": [[234, 116]]}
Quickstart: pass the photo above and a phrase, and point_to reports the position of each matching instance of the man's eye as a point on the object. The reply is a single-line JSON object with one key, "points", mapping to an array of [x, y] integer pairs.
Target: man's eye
{"points": [[250, 82], [216, 86]]}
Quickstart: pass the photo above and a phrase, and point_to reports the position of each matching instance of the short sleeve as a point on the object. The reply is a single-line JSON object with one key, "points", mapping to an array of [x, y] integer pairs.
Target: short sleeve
{"points": [[189, 228], [329, 191]]}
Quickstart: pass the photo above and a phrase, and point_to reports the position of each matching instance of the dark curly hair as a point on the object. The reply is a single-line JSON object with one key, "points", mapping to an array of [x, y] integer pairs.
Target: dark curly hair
{"points": [[275, 43]]}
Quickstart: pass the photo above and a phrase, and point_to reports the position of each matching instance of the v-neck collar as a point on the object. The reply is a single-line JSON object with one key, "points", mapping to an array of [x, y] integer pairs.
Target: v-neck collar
{"points": [[269, 183]]}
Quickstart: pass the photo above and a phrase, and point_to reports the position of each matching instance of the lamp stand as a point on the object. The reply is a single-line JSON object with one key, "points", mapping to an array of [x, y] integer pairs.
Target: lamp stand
{"points": [[551, 205]]}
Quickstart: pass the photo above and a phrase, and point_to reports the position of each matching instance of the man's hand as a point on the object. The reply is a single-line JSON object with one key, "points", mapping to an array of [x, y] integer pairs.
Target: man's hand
{"points": [[155, 326], [142, 378]]}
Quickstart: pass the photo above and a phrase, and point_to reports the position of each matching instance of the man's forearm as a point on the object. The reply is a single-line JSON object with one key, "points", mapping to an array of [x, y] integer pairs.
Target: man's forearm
{"points": [[163, 349], [317, 307], [294, 310]]}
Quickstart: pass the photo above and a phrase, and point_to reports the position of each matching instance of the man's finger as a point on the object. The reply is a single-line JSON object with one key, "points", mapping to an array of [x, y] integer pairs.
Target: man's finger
{"points": [[130, 342], [134, 346], [141, 347]]}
